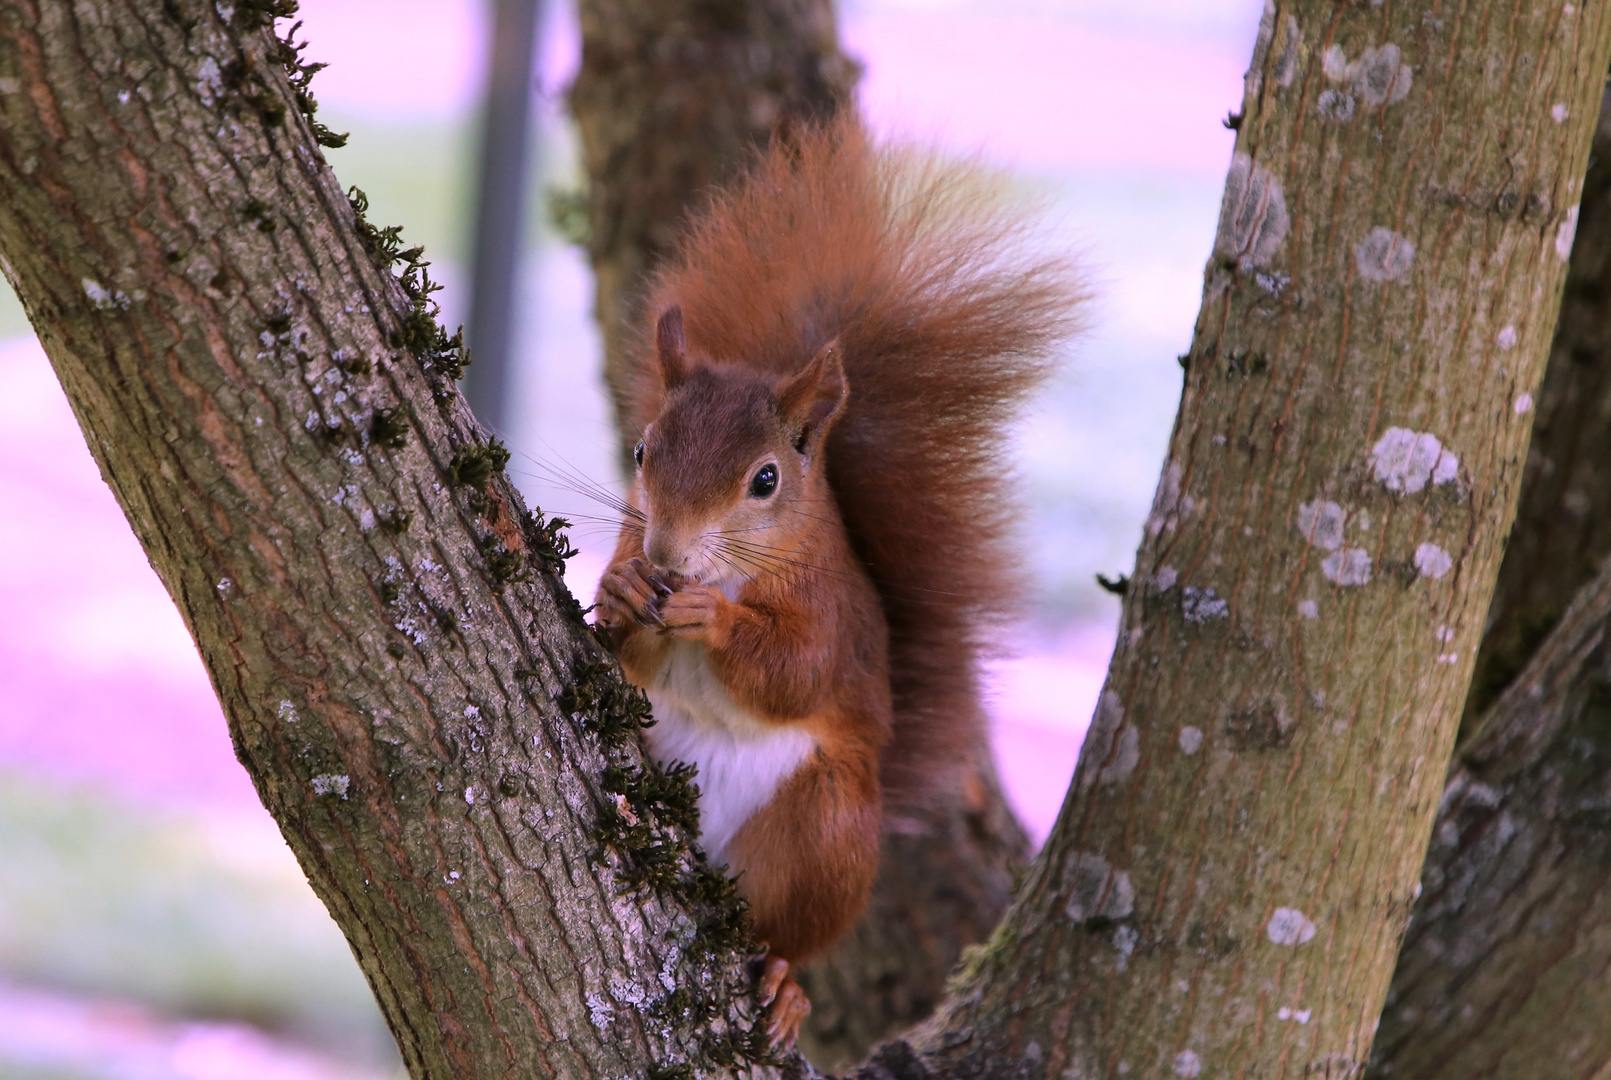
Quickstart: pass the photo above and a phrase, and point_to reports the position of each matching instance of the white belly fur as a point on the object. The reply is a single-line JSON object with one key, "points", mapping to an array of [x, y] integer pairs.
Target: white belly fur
{"points": [[741, 760]]}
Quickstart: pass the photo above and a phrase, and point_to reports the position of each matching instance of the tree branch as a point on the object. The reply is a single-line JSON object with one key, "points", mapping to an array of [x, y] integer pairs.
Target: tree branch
{"points": [[443, 743]]}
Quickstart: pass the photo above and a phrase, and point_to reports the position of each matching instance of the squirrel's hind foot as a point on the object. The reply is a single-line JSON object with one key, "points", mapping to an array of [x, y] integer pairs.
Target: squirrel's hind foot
{"points": [[787, 1004]]}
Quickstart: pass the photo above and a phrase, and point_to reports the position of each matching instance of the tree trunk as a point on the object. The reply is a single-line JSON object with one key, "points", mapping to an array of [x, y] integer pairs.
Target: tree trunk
{"points": [[415, 695], [1563, 527], [672, 99], [1225, 889], [1502, 971]]}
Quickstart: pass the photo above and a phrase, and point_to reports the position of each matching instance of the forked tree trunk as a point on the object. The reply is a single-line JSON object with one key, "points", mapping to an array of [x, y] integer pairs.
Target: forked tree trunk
{"points": [[671, 100], [1503, 970], [414, 694], [1225, 889]]}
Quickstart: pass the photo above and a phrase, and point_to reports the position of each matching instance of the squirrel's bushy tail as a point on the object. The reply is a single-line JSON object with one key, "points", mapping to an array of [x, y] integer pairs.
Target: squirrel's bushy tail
{"points": [[946, 318]]}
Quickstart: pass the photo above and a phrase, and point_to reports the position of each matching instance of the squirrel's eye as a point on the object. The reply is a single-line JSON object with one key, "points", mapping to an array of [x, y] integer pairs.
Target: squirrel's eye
{"points": [[637, 454], [764, 482]]}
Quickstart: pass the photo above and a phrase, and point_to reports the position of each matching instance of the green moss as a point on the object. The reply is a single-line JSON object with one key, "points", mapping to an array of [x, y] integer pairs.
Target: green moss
{"points": [[503, 565], [648, 825], [473, 466], [552, 547], [420, 332], [606, 705], [567, 214], [257, 211], [389, 428]]}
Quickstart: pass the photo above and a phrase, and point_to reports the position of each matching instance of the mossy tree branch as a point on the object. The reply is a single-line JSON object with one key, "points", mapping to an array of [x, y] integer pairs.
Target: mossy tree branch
{"points": [[444, 745]]}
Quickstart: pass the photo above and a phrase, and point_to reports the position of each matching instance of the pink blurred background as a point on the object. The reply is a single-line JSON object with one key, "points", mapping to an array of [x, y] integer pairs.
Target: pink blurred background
{"points": [[111, 744]]}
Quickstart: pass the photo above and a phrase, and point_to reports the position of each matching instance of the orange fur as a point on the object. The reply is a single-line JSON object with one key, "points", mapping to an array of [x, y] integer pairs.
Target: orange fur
{"points": [[915, 264]]}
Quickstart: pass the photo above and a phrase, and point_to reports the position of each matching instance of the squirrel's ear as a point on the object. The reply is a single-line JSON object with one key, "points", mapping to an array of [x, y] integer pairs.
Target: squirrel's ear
{"points": [[671, 346], [811, 401]]}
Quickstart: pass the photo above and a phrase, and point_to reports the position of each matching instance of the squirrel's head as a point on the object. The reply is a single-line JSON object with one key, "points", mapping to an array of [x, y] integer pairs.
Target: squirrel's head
{"points": [[730, 472]]}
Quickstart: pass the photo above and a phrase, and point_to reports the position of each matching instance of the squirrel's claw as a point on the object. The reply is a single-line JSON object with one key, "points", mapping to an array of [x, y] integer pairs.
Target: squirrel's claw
{"points": [[787, 1004], [696, 613], [629, 590]]}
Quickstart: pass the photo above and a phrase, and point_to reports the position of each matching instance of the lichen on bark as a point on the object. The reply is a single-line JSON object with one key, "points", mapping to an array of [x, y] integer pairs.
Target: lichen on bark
{"points": [[1225, 889]]}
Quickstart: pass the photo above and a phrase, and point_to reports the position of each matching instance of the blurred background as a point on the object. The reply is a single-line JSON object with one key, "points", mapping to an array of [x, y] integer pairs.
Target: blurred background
{"points": [[153, 925]]}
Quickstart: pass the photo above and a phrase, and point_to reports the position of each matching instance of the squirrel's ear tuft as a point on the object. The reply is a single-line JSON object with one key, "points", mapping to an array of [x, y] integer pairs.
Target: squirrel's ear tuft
{"points": [[671, 346], [811, 401]]}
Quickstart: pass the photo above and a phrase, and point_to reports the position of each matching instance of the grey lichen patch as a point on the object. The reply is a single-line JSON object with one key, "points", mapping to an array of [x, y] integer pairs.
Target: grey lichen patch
{"points": [[1383, 255], [1321, 523], [1379, 75], [1405, 461], [1126, 756], [1187, 1064], [1287, 45], [1566, 234], [1190, 740], [1095, 890], [1253, 219], [1289, 926], [1203, 605], [331, 784], [1350, 566], [1336, 105], [1125, 940], [1112, 747], [1167, 508], [1289, 52], [1432, 561], [104, 299]]}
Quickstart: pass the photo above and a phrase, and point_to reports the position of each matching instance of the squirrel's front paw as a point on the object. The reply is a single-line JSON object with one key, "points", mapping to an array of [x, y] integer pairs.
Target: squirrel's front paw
{"points": [[628, 593], [698, 613]]}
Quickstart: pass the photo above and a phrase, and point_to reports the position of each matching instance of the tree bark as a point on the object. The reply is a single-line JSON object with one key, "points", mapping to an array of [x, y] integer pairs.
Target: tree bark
{"points": [[1502, 970], [415, 695], [1226, 887], [672, 100], [1562, 530]]}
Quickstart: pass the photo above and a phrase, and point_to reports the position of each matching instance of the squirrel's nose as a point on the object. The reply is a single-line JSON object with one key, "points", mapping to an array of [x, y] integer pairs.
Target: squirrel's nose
{"points": [[663, 551]]}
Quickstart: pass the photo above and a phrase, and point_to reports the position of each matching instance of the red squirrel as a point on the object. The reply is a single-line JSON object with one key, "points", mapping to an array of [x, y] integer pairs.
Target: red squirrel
{"points": [[815, 553]]}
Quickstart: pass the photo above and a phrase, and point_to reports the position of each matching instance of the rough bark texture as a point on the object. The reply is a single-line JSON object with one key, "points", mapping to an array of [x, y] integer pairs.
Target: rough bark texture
{"points": [[1502, 973], [409, 685], [1563, 529], [1504, 970], [671, 100], [1226, 887]]}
